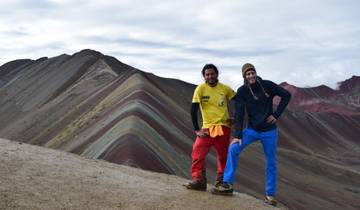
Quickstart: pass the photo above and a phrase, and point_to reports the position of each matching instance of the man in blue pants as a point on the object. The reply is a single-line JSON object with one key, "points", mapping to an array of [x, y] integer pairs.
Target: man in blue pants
{"points": [[256, 96]]}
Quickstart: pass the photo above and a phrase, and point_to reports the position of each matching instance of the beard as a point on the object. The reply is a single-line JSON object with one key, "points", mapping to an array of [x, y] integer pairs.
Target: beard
{"points": [[212, 81]]}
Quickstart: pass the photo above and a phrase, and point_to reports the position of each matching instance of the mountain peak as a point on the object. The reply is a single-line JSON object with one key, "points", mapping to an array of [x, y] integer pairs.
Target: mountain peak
{"points": [[87, 52], [284, 84]]}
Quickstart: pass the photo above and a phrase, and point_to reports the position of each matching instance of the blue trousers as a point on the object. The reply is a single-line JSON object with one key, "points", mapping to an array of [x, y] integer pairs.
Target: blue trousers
{"points": [[268, 140]]}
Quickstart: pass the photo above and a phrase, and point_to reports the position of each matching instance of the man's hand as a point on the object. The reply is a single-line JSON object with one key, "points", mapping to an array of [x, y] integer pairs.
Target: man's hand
{"points": [[236, 140], [271, 119], [202, 133]]}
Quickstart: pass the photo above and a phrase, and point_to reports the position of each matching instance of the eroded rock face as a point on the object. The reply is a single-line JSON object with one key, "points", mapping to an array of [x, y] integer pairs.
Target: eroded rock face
{"points": [[95, 106]]}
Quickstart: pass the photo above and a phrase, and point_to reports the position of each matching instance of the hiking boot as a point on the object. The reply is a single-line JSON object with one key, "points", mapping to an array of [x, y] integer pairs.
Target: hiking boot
{"points": [[218, 183], [223, 189], [199, 185], [270, 200]]}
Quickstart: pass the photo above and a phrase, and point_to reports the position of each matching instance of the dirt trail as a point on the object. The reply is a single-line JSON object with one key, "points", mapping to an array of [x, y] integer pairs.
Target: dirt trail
{"points": [[33, 177]]}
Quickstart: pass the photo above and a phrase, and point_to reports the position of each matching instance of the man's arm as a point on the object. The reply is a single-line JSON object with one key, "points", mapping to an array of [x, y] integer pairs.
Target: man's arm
{"points": [[285, 98], [194, 111], [231, 110], [239, 116]]}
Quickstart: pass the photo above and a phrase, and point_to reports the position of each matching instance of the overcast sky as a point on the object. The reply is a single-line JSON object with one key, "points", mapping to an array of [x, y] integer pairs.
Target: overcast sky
{"points": [[303, 42]]}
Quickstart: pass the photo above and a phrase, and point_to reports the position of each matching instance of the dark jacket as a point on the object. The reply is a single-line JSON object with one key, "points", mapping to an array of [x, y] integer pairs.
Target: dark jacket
{"points": [[258, 110]]}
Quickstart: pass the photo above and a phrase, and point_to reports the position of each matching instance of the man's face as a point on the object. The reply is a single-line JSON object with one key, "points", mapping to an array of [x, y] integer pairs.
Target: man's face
{"points": [[250, 76], [211, 77]]}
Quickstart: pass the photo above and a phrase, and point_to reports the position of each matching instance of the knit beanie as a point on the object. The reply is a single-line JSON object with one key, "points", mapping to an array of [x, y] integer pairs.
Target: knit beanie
{"points": [[246, 67]]}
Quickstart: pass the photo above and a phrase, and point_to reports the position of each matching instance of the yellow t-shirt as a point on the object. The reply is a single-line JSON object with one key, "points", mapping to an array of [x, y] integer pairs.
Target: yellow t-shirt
{"points": [[213, 103]]}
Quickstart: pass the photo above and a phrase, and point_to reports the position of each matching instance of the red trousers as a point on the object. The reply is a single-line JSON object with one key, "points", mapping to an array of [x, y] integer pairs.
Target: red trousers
{"points": [[202, 147]]}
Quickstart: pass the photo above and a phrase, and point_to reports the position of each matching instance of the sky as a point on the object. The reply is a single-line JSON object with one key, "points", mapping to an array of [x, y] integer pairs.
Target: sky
{"points": [[303, 42]]}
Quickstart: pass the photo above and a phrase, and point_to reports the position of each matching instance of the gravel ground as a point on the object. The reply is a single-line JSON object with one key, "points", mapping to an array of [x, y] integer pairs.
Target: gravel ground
{"points": [[33, 177]]}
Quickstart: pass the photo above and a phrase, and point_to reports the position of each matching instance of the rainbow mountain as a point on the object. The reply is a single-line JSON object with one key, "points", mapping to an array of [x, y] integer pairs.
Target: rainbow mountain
{"points": [[95, 106]]}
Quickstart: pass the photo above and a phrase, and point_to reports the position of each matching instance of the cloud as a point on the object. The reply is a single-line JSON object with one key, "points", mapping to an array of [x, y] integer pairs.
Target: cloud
{"points": [[287, 40]]}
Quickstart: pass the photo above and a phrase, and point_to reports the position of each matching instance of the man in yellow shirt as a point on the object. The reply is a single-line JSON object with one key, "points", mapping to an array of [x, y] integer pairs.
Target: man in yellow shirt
{"points": [[212, 97]]}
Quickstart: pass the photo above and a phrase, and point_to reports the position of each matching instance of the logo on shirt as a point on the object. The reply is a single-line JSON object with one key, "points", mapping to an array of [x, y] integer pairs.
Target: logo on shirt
{"points": [[205, 98]]}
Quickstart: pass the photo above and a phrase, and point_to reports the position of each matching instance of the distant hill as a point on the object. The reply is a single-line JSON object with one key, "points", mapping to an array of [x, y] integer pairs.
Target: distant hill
{"points": [[98, 107], [344, 101]]}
